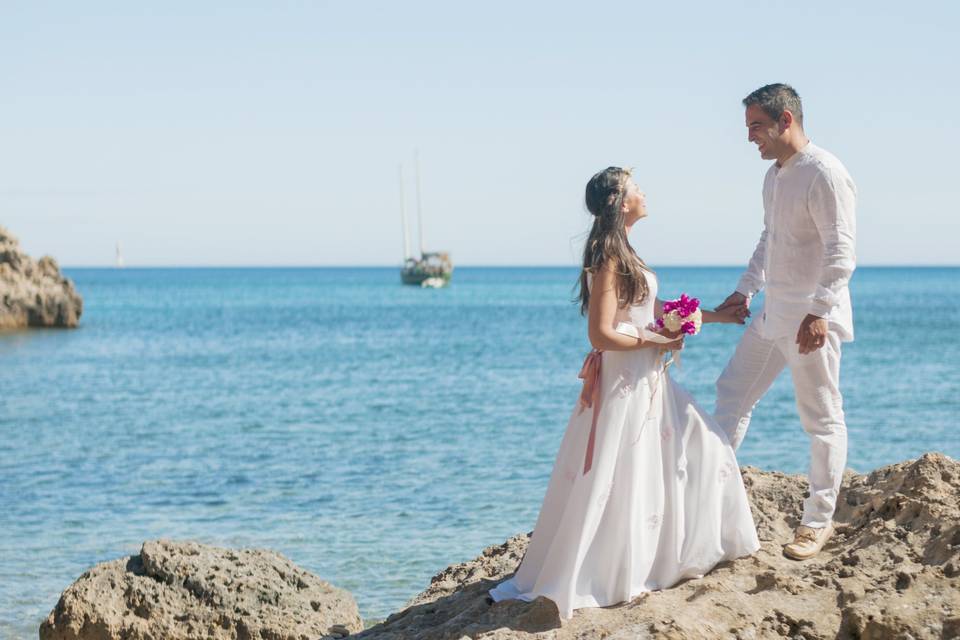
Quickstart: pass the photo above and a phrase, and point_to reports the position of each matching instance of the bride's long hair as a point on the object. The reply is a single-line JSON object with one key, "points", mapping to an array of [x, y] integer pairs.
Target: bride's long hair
{"points": [[608, 240]]}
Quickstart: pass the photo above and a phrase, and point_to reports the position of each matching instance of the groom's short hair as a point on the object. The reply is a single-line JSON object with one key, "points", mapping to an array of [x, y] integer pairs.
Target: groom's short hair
{"points": [[776, 98]]}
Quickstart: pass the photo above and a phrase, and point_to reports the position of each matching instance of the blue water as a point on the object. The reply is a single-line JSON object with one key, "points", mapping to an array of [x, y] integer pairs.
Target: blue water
{"points": [[373, 433]]}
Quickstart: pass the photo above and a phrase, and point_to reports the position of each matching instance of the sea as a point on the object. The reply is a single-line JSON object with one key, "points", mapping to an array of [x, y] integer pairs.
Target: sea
{"points": [[371, 432]]}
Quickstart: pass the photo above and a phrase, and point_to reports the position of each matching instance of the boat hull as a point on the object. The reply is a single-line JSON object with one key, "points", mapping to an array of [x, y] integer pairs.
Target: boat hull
{"points": [[417, 277], [435, 264]]}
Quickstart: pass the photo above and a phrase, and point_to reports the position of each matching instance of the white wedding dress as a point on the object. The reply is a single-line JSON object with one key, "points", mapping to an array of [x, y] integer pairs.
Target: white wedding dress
{"points": [[661, 500]]}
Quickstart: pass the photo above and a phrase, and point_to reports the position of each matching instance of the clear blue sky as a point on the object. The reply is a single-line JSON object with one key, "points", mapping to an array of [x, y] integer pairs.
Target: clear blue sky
{"points": [[242, 133]]}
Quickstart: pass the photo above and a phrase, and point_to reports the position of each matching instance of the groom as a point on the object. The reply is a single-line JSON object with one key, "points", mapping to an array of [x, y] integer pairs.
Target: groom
{"points": [[804, 261]]}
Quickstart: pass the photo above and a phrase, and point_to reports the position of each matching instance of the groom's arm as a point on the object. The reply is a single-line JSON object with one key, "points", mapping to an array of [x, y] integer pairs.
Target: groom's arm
{"points": [[750, 283], [753, 279], [832, 201]]}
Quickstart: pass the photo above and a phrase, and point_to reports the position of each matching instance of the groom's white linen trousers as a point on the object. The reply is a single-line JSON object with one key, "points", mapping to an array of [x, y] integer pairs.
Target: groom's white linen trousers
{"points": [[803, 261]]}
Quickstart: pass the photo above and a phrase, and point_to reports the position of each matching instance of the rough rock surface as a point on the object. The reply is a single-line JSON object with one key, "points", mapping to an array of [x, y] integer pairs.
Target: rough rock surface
{"points": [[892, 570], [33, 293], [179, 590]]}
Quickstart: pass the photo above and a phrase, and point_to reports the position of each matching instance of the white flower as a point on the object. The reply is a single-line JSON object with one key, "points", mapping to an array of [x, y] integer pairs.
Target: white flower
{"points": [[672, 320], [697, 319]]}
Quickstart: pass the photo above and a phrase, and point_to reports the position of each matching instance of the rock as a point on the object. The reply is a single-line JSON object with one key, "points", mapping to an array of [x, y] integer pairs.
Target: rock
{"points": [[33, 293], [179, 590], [890, 571]]}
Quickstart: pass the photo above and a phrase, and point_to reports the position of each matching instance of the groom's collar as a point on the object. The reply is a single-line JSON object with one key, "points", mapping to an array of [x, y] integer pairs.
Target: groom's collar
{"points": [[792, 160]]}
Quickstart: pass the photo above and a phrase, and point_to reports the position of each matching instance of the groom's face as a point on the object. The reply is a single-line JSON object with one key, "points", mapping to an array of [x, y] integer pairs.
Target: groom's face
{"points": [[763, 131]]}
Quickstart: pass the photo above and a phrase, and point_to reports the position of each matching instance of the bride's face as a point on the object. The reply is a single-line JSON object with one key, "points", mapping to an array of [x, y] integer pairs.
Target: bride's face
{"points": [[634, 203]]}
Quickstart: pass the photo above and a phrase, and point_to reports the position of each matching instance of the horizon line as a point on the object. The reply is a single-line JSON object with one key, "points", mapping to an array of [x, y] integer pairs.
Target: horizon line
{"points": [[468, 266]]}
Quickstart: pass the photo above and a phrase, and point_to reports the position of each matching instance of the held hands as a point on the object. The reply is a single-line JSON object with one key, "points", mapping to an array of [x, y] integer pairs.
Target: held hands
{"points": [[812, 334], [731, 314], [736, 308]]}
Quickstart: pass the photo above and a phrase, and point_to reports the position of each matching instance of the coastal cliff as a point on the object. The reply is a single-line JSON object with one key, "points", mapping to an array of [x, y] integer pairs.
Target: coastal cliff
{"points": [[33, 293]]}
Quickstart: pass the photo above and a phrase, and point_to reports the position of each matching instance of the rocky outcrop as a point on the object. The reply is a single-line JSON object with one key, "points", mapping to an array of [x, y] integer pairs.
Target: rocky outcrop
{"points": [[33, 293], [181, 590], [892, 570]]}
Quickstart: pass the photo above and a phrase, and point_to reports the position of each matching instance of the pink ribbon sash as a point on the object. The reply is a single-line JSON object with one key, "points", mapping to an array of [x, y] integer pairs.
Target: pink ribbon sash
{"points": [[590, 397]]}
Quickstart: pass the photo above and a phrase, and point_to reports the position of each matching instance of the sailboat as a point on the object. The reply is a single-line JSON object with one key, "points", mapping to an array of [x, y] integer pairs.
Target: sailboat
{"points": [[432, 268], [119, 260]]}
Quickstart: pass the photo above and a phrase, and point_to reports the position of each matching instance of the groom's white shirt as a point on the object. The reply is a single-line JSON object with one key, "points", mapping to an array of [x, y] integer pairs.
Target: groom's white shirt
{"points": [[805, 255]]}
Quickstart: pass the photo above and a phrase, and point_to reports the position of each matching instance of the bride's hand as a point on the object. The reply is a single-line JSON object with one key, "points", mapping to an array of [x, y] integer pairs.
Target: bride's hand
{"points": [[677, 344]]}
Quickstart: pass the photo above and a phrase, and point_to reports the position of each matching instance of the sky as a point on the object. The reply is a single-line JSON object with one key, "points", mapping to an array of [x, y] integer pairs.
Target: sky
{"points": [[270, 133]]}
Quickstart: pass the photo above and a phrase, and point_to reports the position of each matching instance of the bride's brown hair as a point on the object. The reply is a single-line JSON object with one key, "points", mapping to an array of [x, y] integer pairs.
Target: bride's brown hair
{"points": [[607, 241]]}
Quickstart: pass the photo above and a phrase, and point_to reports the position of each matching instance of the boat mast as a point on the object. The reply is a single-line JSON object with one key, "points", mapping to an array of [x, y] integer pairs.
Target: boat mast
{"points": [[403, 217], [416, 155]]}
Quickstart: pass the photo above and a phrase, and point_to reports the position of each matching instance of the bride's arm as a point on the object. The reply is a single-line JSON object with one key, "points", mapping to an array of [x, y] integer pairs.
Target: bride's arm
{"points": [[728, 315], [600, 318]]}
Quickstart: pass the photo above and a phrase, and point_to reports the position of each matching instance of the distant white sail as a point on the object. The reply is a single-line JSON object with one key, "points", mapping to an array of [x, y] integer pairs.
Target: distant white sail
{"points": [[416, 157], [432, 269], [119, 261], [403, 218]]}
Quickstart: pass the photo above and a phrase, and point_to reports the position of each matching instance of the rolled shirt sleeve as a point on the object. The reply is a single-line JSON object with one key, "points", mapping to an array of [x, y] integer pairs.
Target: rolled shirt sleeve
{"points": [[832, 202]]}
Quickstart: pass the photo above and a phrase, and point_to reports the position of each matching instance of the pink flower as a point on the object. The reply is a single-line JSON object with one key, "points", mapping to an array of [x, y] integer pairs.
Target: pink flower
{"points": [[689, 328], [685, 305], [660, 322]]}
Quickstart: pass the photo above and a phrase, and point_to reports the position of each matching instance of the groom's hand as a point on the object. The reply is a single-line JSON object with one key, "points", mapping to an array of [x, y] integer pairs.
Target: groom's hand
{"points": [[812, 334], [738, 304]]}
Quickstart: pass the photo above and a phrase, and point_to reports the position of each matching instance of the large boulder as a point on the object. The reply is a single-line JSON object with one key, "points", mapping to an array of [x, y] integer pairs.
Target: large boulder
{"points": [[180, 590], [33, 293], [892, 570]]}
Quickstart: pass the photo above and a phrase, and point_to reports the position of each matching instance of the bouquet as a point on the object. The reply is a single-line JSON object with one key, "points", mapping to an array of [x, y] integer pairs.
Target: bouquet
{"points": [[682, 314]]}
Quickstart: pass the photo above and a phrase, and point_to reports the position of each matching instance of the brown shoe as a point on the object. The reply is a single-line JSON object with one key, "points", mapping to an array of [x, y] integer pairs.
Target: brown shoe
{"points": [[808, 541]]}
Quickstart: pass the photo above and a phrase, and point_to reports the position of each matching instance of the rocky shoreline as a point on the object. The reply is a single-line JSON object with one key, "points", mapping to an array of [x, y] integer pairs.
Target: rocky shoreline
{"points": [[33, 293], [892, 570], [189, 590]]}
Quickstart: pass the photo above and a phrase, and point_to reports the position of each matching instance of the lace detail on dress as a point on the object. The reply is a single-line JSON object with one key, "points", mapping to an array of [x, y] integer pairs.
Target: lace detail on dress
{"points": [[627, 383], [726, 471], [666, 431]]}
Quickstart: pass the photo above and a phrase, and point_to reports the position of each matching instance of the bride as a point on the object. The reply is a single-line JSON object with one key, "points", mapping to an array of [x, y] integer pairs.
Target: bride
{"points": [[646, 490]]}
